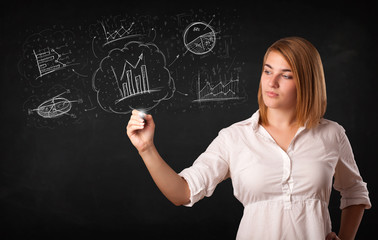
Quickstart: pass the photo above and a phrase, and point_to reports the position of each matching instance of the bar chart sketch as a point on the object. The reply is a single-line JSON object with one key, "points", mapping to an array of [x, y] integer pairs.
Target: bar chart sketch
{"points": [[132, 77], [133, 85], [219, 91], [49, 60]]}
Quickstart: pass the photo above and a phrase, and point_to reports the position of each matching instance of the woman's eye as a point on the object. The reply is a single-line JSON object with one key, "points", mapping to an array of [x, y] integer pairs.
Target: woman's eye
{"points": [[267, 72], [287, 76]]}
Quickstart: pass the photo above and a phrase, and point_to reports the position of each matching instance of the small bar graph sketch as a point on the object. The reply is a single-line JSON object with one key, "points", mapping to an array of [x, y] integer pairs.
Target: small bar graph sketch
{"points": [[49, 60], [133, 85], [218, 92]]}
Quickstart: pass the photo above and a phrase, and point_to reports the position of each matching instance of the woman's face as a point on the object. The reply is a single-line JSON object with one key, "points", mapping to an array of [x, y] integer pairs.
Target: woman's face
{"points": [[278, 83]]}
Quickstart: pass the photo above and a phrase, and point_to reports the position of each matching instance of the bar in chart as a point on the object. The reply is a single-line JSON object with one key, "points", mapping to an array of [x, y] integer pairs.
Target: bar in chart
{"points": [[135, 85], [48, 61]]}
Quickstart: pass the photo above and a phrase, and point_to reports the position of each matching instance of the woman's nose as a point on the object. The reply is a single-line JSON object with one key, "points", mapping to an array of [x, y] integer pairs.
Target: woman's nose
{"points": [[273, 82]]}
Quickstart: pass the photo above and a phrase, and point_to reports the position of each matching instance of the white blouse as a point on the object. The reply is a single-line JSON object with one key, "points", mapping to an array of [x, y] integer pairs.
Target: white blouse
{"points": [[285, 194]]}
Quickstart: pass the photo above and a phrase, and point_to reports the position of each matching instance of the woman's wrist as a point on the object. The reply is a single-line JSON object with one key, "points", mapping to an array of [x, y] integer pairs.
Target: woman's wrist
{"points": [[147, 149]]}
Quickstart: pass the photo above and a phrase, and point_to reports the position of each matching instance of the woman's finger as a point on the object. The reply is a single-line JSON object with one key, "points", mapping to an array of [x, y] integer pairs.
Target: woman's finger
{"points": [[135, 127], [134, 123], [332, 236], [135, 112], [137, 118]]}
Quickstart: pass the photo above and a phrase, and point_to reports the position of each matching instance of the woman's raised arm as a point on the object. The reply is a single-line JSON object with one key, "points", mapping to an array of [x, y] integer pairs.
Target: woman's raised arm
{"points": [[141, 134]]}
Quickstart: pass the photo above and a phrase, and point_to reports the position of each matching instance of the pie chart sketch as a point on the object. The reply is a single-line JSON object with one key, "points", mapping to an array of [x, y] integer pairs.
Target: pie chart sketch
{"points": [[199, 38], [55, 107]]}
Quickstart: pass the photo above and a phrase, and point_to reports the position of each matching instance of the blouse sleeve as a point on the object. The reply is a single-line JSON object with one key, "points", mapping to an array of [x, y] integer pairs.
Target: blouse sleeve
{"points": [[210, 168], [348, 180]]}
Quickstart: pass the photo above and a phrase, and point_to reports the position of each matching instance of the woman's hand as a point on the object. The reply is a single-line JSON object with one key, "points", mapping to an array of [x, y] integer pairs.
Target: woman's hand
{"points": [[141, 131], [332, 236]]}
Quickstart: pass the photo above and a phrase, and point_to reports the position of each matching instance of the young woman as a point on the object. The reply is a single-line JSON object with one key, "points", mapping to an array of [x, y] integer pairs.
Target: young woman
{"points": [[281, 161]]}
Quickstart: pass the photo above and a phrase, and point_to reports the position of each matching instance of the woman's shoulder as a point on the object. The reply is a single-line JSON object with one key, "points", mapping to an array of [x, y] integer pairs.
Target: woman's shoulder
{"points": [[330, 124], [235, 128], [241, 125], [329, 128], [241, 129]]}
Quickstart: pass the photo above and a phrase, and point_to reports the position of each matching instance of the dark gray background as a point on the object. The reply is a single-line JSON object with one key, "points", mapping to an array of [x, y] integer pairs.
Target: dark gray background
{"points": [[87, 180]]}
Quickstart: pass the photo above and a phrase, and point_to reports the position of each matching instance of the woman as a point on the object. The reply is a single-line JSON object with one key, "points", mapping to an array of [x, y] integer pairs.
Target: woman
{"points": [[281, 161]]}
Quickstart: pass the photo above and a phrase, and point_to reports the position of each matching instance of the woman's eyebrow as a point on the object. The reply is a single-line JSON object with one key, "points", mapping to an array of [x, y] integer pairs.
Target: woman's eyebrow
{"points": [[282, 70], [268, 65]]}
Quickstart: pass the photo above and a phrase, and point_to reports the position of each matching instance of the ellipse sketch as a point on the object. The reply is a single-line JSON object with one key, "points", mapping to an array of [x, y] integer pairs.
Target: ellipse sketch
{"points": [[55, 107]]}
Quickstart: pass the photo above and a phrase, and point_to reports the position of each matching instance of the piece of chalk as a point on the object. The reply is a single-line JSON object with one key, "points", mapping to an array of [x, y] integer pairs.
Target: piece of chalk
{"points": [[142, 115]]}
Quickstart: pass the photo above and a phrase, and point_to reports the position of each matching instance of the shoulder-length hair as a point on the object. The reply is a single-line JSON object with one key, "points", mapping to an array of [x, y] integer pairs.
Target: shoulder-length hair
{"points": [[307, 69]]}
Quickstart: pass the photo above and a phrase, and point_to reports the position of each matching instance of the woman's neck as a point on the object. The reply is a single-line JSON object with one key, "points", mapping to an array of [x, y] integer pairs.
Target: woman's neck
{"points": [[278, 118]]}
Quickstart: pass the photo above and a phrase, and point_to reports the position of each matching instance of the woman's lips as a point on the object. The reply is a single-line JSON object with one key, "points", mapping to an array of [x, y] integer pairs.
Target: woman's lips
{"points": [[271, 94]]}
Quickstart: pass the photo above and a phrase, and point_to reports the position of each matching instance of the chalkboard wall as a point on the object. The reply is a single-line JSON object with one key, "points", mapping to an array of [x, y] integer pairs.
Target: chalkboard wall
{"points": [[71, 72]]}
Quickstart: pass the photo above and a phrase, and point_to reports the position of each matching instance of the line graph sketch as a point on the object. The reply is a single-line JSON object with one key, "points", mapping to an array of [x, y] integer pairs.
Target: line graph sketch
{"points": [[112, 32], [228, 89], [119, 33]]}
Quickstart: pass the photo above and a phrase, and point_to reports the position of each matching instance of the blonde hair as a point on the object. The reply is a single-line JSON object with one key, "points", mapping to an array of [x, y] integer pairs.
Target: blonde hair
{"points": [[307, 69]]}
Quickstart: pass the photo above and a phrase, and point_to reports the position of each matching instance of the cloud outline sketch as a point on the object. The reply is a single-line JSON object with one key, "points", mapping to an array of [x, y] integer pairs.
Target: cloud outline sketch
{"points": [[110, 74]]}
